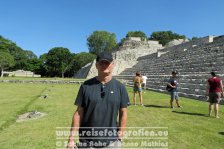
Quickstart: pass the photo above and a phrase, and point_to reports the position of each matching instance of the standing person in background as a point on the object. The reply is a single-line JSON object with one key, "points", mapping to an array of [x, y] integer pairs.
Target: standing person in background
{"points": [[144, 79], [172, 88], [214, 90], [99, 102], [137, 88]]}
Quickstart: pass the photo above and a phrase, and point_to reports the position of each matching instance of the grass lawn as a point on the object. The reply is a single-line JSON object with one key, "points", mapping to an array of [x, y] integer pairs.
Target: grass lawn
{"points": [[188, 128], [33, 78]]}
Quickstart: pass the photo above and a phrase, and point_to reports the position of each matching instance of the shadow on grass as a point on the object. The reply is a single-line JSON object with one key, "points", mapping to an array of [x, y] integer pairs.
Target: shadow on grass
{"points": [[156, 106], [221, 133], [188, 113]]}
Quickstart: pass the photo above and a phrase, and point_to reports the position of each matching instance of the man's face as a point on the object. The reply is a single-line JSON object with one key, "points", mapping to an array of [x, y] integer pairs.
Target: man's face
{"points": [[105, 67], [174, 74]]}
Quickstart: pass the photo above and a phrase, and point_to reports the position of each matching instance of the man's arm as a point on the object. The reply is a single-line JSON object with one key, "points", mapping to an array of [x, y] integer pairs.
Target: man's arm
{"points": [[207, 89], [221, 86], [76, 121], [169, 84], [122, 122]]}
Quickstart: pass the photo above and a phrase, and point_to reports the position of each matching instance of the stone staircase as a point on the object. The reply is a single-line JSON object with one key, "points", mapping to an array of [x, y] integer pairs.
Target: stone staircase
{"points": [[194, 64]]}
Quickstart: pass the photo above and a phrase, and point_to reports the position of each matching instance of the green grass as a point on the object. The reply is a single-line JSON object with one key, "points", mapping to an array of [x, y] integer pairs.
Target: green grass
{"points": [[32, 78], [189, 127]]}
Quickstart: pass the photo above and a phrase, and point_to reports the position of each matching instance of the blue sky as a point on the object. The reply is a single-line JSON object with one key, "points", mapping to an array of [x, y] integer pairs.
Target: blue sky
{"points": [[40, 25]]}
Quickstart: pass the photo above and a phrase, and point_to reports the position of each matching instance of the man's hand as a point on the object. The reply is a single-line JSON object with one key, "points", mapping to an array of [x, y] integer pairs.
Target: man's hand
{"points": [[120, 135], [71, 144], [76, 120]]}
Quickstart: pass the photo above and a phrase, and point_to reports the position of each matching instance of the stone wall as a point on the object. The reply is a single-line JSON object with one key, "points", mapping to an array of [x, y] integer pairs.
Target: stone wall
{"points": [[218, 39], [134, 38], [21, 73]]}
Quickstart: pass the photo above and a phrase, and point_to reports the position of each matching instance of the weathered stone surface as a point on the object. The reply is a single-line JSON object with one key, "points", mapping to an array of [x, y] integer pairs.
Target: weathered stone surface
{"points": [[20, 73], [176, 42], [30, 116]]}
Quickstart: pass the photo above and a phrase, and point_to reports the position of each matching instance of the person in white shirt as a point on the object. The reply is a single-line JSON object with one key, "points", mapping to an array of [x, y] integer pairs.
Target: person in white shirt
{"points": [[144, 78]]}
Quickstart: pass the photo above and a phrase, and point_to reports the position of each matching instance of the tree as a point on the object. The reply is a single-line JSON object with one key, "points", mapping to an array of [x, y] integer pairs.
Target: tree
{"points": [[33, 65], [29, 54], [20, 58], [24, 59], [43, 68], [122, 40], [194, 38], [140, 34], [81, 59], [31, 62], [6, 61], [58, 61], [18, 53], [165, 36], [100, 41]]}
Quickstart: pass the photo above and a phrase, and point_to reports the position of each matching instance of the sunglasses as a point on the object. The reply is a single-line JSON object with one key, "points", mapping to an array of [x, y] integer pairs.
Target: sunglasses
{"points": [[102, 93]]}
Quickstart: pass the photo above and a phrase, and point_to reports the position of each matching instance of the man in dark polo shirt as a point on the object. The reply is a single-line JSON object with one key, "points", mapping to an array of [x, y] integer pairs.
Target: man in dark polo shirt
{"points": [[100, 100], [172, 88], [214, 90]]}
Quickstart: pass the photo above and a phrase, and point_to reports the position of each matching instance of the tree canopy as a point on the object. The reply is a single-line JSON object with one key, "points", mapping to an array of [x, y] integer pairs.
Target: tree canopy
{"points": [[81, 59], [140, 34], [6, 61], [100, 41], [58, 61], [20, 56], [195, 38], [165, 36]]}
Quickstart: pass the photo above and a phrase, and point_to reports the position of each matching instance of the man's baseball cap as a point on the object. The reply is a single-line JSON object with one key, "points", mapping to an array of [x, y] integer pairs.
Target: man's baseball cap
{"points": [[106, 56]]}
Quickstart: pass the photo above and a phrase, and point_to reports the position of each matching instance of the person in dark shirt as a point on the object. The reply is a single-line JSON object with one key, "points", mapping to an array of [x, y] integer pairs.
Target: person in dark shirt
{"points": [[172, 88], [100, 100], [214, 90]]}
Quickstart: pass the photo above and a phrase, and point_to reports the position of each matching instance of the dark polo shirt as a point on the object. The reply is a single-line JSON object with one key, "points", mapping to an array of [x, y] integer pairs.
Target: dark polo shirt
{"points": [[101, 103], [173, 82]]}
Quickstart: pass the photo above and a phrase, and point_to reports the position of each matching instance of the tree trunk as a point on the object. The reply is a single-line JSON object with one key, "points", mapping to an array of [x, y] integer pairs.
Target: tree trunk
{"points": [[62, 74], [2, 73]]}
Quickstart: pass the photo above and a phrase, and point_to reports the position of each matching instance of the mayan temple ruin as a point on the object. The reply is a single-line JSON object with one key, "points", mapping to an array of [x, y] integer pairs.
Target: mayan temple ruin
{"points": [[194, 60]]}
